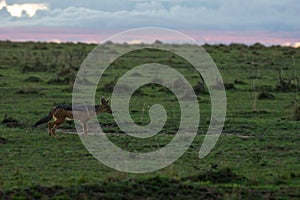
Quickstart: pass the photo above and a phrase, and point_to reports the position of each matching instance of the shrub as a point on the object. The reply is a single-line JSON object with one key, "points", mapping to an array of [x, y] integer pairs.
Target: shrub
{"points": [[224, 175], [109, 87], [229, 86], [3, 140], [240, 82], [29, 90], [10, 122], [199, 88], [34, 79], [265, 95]]}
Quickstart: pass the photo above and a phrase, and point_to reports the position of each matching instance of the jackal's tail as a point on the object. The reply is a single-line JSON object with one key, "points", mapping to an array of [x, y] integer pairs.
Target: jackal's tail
{"points": [[45, 119]]}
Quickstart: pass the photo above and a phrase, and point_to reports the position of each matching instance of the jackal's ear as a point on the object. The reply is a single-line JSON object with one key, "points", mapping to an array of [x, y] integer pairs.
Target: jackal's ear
{"points": [[107, 100]]}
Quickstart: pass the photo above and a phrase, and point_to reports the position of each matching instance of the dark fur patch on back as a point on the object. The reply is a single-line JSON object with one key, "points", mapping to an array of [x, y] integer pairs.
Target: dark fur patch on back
{"points": [[65, 107]]}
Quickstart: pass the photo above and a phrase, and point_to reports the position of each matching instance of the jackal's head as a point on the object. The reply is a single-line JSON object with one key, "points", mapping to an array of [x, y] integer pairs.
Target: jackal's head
{"points": [[104, 106]]}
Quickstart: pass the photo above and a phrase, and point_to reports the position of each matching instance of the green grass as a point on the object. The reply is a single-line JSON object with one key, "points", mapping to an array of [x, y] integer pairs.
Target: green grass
{"points": [[257, 155]]}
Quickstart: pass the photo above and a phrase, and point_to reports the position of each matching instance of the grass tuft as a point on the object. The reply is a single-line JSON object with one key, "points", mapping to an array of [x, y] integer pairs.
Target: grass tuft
{"points": [[295, 113]]}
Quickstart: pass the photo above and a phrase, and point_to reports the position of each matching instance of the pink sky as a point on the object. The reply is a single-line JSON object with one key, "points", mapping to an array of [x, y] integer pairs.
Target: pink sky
{"points": [[97, 36]]}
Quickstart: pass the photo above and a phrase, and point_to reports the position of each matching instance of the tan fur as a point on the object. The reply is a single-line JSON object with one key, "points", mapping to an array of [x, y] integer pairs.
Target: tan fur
{"points": [[60, 115]]}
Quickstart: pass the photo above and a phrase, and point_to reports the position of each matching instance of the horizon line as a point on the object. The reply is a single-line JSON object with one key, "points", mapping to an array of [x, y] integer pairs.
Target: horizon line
{"points": [[94, 36], [142, 43]]}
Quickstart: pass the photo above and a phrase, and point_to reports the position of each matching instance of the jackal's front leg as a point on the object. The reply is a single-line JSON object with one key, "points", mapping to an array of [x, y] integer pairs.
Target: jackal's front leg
{"points": [[85, 128], [50, 125]]}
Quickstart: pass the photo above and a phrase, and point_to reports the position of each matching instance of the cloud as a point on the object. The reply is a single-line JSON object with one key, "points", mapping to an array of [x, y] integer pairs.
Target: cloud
{"points": [[146, 6], [200, 15], [2, 4], [269, 21], [297, 44], [16, 10], [270, 16], [292, 44]]}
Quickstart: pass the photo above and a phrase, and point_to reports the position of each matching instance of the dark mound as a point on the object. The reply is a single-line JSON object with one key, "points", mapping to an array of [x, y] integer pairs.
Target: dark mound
{"points": [[11, 122]]}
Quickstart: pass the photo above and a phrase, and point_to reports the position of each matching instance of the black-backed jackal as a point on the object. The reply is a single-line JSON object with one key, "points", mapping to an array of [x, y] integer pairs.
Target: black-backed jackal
{"points": [[61, 113]]}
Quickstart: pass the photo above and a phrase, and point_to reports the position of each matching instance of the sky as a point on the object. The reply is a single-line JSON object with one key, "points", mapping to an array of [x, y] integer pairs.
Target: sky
{"points": [[206, 21]]}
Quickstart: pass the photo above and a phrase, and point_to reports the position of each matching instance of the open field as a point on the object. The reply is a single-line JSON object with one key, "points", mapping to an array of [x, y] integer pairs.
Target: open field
{"points": [[257, 155]]}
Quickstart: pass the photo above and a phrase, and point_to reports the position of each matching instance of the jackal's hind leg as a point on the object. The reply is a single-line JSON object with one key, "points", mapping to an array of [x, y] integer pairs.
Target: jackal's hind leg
{"points": [[53, 126], [50, 125]]}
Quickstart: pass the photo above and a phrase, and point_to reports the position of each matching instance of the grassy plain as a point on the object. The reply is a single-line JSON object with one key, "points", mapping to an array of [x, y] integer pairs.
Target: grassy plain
{"points": [[257, 155]]}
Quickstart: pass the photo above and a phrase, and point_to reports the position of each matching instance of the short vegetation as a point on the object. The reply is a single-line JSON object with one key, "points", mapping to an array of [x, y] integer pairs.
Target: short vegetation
{"points": [[256, 157]]}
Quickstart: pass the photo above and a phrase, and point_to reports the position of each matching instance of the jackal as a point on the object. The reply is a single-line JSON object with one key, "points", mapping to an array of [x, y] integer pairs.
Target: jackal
{"points": [[63, 112]]}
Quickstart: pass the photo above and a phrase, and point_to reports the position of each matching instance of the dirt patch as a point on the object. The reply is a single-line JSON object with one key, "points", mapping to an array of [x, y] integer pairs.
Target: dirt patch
{"points": [[67, 131]]}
